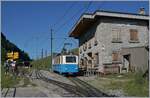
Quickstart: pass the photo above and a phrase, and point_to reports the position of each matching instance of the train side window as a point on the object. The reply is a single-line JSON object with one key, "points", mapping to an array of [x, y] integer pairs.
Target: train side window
{"points": [[70, 59]]}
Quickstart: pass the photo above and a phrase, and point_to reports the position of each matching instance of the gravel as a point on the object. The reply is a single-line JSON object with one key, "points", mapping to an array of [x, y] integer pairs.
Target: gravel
{"points": [[57, 77], [116, 92], [50, 89]]}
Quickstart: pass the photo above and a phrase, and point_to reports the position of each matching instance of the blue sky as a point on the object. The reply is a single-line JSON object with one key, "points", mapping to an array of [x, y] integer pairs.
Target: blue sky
{"points": [[28, 23]]}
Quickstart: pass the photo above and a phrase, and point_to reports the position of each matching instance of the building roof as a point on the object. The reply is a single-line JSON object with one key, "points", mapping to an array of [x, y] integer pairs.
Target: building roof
{"points": [[87, 19]]}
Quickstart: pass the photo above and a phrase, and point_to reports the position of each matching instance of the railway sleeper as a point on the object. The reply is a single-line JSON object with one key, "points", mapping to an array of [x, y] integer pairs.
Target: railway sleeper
{"points": [[92, 89], [82, 89], [70, 88], [92, 92], [11, 92]]}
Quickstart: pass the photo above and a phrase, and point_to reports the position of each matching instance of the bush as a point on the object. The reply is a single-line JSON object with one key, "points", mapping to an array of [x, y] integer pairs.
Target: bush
{"points": [[138, 86], [8, 80]]}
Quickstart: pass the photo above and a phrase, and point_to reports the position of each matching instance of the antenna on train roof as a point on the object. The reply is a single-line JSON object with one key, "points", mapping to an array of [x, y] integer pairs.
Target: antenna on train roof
{"points": [[64, 49]]}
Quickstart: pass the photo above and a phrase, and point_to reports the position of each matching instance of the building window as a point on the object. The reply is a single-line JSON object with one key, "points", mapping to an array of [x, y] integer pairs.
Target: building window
{"points": [[81, 62], [133, 35], [96, 60], [115, 56], [80, 50], [116, 35], [95, 42], [89, 45], [85, 46]]}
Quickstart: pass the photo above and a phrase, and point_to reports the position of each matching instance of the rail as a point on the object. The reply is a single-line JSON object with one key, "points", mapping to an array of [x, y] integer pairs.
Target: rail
{"points": [[91, 91], [7, 92], [80, 89], [70, 88]]}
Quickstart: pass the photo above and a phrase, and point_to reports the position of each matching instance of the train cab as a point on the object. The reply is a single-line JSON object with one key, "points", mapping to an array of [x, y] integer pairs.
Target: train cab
{"points": [[67, 64]]}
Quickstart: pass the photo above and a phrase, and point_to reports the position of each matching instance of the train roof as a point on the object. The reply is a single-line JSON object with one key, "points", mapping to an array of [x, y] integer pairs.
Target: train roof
{"points": [[66, 55]]}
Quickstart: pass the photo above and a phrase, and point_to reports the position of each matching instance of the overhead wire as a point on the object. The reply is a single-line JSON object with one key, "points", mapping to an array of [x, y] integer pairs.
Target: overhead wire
{"points": [[68, 21], [80, 10], [26, 44], [59, 46], [90, 3], [66, 12], [99, 7], [86, 8]]}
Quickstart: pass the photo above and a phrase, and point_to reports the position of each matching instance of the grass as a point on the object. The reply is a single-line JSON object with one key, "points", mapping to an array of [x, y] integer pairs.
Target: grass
{"points": [[131, 84], [137, 87], [42, 63], [27, 82], [8, 81], [45, 63]]}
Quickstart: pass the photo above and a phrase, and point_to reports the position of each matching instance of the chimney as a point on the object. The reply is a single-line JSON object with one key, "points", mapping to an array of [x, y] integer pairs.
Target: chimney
{"points": [[142, 11]]}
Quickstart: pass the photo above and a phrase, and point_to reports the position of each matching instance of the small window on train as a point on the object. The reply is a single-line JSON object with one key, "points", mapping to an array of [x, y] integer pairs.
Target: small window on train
{"points": [[70, 59]]}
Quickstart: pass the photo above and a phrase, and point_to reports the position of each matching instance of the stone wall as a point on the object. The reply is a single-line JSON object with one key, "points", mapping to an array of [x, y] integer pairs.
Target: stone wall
{"points": [[102, 33]]}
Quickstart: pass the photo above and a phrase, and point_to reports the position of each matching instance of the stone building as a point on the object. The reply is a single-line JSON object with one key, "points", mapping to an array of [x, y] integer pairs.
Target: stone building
{"points": [[112, 41]]}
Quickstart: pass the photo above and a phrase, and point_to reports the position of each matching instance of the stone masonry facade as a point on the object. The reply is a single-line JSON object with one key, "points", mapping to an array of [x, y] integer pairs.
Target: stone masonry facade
{"points": [[98, 40]]}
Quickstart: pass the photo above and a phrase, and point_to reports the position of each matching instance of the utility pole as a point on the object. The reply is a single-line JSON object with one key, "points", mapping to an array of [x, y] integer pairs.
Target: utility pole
{"points": [[36, 39], [52, 48], [42, 53], [45, 53]]}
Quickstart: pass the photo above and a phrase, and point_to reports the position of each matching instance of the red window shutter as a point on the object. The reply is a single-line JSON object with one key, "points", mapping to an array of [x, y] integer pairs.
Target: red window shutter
{"points": [[133, 34], [115, 56]]}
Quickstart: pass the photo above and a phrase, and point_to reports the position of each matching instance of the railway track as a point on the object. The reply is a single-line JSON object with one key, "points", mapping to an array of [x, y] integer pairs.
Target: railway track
{"points": [[73, 90], [8, 92], [81, 88], [91, 91]]}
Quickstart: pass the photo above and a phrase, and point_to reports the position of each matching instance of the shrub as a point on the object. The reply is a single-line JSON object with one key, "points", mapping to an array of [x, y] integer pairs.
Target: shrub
{"points": [[138, 86]]}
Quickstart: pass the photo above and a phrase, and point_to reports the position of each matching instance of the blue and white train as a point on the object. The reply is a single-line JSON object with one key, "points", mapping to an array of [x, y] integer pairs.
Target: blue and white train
{"points": [[66, 64]]}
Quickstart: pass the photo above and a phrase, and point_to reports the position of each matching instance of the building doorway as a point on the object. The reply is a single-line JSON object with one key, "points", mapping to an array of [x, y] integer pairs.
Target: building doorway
{"points": [[127, 62]]}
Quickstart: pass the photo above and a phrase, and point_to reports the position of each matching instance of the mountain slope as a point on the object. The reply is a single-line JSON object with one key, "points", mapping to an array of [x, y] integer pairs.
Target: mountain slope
{"points": [[7, 46], [44, 63]]}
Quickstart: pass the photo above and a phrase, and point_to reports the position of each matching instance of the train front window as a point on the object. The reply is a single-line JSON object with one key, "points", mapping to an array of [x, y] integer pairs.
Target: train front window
{"points": [[70, 59]]}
